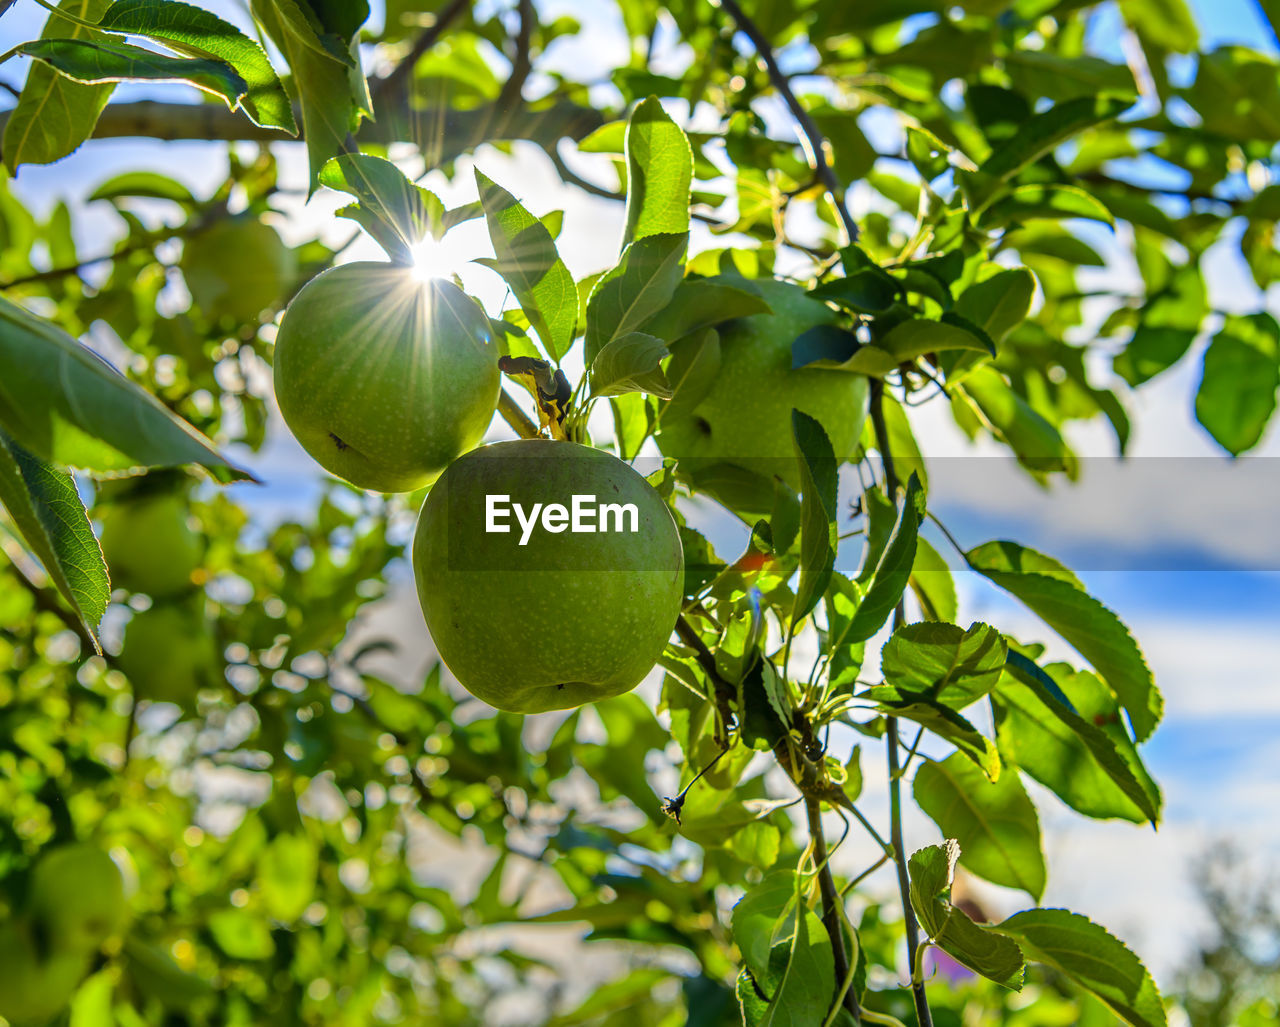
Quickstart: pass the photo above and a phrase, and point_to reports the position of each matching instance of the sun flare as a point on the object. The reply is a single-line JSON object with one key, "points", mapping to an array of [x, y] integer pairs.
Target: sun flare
{"points": [[434, 258]]}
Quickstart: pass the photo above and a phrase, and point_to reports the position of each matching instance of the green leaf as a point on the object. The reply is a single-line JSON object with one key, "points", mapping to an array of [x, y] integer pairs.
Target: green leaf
{"points": [[869, 290], [1092, 958], [1241, 373], [1037, 73], [155, 974], [528, 261], [47, 511], [92, 62], [638, 287], [699, 303], [818, 530], [838, 349], [633, 422], [341, 18], [881, 517], [904, 449], [659, 173], [936, 716], [287, 876], [397, 213], [1150, 351], [241, 934], [692, 371], [143, 183], [54, 115], [195, 32], [944, 661], [794, 984], [932, 583], [994, 822], [68, 406], [757, 912], [893, 569], [631, 363], [980, 948], [1237, 92], [1169, 322], [917, 336], [841, 605], [1033, 139], [1038, 445], [1062, 728], [1049, 590], [1046, 203], [323, 81], [775, 690], [999, 303], [1169, 24]]}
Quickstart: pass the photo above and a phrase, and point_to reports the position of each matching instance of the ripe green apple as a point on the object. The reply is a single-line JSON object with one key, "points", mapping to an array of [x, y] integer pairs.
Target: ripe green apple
{"points": [[385, 379], [745, 418], [76, 895], [35, 986], [237, 268], [150, 545], [168, 653], [543, 616]]}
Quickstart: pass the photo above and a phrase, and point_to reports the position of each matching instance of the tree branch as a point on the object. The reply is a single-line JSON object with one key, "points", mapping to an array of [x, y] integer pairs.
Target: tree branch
{"points": [[923, 1015], [831, 918], [444, 133], [521, 65], [812, 141], [725, 692], [395, 80]]}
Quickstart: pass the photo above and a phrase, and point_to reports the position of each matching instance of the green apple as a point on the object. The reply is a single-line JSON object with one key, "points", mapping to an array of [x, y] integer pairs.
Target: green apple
{"points": [[35, 985], [385, 379], [237, 268], [533, 603], [744, 419], [76, 896], [150, 545], [168, 653]]}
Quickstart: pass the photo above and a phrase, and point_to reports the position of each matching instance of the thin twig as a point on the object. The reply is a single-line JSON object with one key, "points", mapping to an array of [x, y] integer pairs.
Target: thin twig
{"points": [[923, 1015], [812, 141], [571, 177], [53, 273], [514, 416], [706, 660], [911, 753], [830, 902]]}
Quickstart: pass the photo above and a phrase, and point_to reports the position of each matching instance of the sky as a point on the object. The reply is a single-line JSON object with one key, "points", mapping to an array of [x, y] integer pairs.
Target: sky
{"points": [[1179, 540]]}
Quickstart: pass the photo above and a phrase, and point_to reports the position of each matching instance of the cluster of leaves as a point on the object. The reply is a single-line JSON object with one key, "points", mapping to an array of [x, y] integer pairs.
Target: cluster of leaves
{"points": [[314, 900]]}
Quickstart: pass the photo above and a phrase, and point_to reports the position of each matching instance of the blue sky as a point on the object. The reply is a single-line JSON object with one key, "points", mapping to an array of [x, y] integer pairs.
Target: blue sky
{"points": [[1190, 559]]}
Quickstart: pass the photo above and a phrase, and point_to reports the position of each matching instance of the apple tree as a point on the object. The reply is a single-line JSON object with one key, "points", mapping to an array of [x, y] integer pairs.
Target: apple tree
{"points": [[225, 802]]}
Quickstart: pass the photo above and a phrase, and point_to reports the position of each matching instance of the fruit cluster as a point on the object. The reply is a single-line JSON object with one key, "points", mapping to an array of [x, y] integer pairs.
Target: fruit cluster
{"points": [[391, 383]]}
